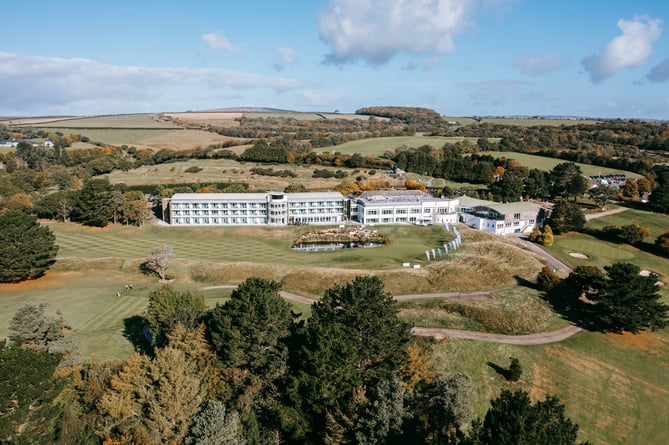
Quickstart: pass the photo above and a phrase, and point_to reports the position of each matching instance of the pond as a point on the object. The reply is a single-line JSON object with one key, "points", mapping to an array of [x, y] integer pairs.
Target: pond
{"points": [[322, 247]]}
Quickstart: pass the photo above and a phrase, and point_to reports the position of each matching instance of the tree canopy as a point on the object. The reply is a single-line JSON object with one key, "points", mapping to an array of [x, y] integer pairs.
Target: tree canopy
{"points": [[565, 217], [629, 301], [514, 420], [27, 249]]}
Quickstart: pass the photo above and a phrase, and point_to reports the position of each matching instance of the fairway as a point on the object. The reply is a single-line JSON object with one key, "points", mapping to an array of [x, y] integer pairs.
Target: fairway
{"points": [[265, 245]]}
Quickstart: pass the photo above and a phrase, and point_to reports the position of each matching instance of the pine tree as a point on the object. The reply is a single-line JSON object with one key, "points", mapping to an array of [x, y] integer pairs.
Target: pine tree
{"points": [[27, 249], [629, 301]]}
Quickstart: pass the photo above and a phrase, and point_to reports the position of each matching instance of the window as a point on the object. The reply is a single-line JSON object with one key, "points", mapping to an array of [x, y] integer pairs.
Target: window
{"points": [[516, 216], [415, 210], [387, 211], [372, 212]]}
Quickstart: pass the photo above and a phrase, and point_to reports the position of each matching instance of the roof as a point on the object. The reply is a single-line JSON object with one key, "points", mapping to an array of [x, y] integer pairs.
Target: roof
{"points": [[501, 208], [253, 196], [397, 196]]}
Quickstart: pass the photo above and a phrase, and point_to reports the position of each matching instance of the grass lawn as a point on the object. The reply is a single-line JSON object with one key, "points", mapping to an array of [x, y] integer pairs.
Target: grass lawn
{"points": [[616, 387], [241, 244], [544, 163], [602, 253], [378, 146]]}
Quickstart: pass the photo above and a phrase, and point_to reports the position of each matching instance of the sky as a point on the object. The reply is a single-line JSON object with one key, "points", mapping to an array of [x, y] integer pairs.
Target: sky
{"points": [[588, 58]]}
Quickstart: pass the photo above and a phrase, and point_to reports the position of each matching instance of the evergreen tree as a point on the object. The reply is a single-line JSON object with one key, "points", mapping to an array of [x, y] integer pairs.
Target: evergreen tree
{"points": [[27, 392], [629, 301], [214, 425], [169, 307], [27, 249], [353, 340], [32, 328], [515, 370], [513, 420], [565, 217], [249, 334], [659, 198], [94, 207], [662, 243]]}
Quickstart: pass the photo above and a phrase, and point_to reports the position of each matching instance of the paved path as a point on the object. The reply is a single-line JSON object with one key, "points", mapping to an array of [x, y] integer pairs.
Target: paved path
{"points": [[590, 216], [529, 339], [541, 338]]}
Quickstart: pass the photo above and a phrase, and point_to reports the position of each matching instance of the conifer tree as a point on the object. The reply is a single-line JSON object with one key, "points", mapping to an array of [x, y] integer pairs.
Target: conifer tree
{"points": [[27, 249]]}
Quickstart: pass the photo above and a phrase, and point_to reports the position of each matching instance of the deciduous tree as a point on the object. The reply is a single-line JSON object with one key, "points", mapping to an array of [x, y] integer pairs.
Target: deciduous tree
{"points": [[159, 260]]}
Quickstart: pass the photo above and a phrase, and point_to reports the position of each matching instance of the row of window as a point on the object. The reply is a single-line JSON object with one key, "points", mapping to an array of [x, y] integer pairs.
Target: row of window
{"points": [[402, 219]]}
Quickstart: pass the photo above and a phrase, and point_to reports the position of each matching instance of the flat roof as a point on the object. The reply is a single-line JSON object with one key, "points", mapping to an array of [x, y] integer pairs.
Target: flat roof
{"points": [[500, 207], [253, 196]]}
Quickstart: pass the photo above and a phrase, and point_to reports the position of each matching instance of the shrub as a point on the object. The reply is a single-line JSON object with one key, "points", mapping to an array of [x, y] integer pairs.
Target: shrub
{"points": [[547, 279], [515, 370], [193, 169]]}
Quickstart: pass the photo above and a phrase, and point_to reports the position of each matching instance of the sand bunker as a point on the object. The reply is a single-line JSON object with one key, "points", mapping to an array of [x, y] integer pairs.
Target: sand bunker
{"points": [[579, 255], [644, 273]]}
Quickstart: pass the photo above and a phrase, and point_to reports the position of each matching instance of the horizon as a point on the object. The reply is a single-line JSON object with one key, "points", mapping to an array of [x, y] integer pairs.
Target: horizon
{"points": [[496, 58]]}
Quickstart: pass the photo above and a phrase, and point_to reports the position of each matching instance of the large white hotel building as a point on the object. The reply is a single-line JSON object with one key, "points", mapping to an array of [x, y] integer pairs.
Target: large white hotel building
{"points": [[372, 207]]}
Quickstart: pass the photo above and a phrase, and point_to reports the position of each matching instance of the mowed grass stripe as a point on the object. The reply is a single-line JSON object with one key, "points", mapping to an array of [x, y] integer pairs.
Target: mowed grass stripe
{"points": [[125, 307], [234, 244]]}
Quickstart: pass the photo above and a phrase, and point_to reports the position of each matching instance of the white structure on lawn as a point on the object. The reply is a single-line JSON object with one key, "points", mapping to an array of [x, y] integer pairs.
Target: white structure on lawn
{"points": [[500, 218], [402, 206], [273, 208], [371, 207]]}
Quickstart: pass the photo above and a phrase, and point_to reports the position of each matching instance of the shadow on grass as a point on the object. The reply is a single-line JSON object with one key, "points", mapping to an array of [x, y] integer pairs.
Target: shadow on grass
{"points": [[525, 282], [499, 370], [135, 330], [572, 309]]}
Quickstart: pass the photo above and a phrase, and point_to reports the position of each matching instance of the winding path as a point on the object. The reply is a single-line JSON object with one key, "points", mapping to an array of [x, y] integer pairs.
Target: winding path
{"points": [[540, 338]]}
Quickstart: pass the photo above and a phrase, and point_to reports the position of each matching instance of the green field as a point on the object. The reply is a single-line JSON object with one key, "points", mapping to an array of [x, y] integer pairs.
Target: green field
{"points": [[533, 122], [544, 163], [120, 121], [601, 253], [378, 146]]}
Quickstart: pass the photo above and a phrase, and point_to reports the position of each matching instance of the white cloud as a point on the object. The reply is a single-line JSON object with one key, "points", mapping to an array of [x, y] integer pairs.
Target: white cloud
{"points": [[630, 49], [376, 30], [660, 72], [536, 66], [286, 57], [219, 42], [34, 83]]}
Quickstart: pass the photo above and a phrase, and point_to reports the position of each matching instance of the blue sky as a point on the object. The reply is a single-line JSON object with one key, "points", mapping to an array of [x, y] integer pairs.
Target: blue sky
{"points": [[596, 58]]}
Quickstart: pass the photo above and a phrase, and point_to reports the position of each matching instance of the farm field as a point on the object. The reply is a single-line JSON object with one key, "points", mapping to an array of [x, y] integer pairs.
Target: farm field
{"points": [[378, 146], [544, 163], [225, 170], [530, 122]]}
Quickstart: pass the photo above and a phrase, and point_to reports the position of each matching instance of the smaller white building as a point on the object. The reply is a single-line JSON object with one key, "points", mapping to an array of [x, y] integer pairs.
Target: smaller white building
{"points": [[402, 206], [500, 218]]}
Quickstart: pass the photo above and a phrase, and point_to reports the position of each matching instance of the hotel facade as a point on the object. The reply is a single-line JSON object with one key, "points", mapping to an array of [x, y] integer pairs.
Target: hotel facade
{"points": [[369, 208]]}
